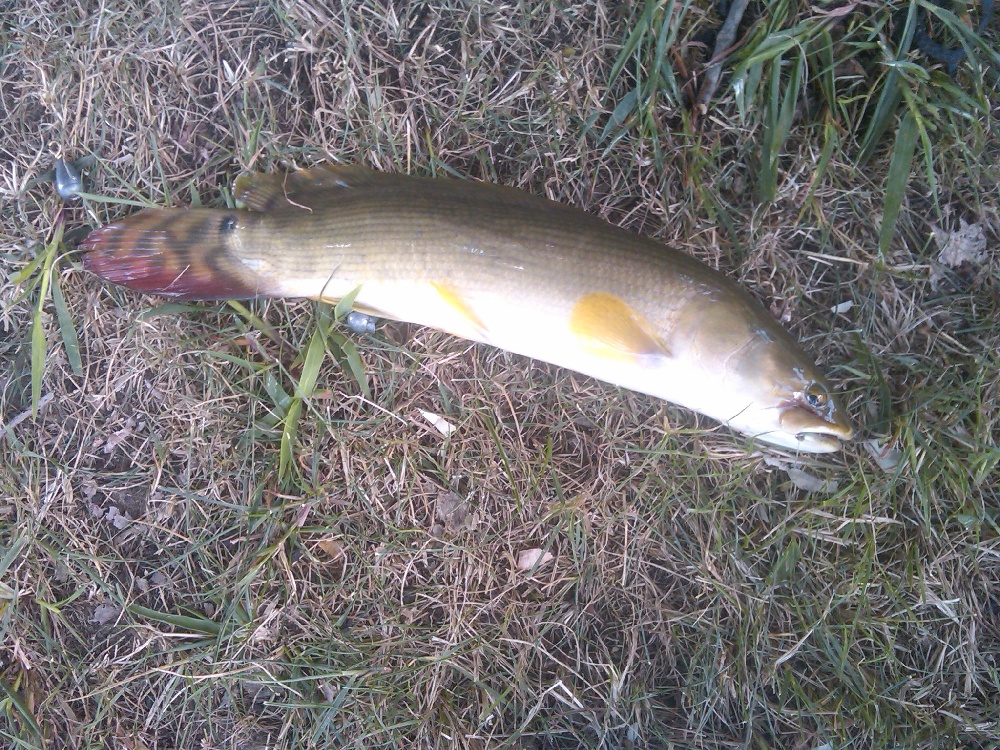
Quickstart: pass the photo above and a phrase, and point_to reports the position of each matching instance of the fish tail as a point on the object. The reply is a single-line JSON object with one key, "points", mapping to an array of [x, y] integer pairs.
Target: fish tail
{"points": [[175, 252]]}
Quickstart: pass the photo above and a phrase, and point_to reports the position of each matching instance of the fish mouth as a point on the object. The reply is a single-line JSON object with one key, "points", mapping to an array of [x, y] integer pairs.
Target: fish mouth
{"points": [[818, 442], [810, 432]]}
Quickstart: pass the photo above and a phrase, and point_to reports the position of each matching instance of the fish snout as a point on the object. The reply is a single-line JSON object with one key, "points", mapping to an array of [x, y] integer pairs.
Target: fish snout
{"points": [[820, 432]]}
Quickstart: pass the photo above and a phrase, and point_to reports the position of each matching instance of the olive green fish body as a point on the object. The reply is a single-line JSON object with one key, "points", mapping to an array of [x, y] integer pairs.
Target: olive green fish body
{"points": [[495, 265]]}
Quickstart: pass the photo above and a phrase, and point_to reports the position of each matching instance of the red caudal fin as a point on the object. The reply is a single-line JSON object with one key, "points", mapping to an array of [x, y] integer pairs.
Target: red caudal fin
{"points": [[175, 252]]}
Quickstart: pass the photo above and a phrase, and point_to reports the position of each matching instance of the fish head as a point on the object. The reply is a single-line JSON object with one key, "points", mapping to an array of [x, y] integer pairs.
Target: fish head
{"points": [[789, 402], [764, 385]]}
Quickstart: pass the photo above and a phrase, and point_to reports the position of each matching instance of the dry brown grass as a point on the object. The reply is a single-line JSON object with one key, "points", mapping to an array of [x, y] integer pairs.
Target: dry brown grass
{"points": [[161, 588]]}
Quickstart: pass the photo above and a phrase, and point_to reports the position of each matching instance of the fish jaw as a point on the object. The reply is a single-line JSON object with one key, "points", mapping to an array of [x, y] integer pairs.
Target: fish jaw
{"points": [[816, 431], [766, 418], [771, 420], [780, 414], [822, 438]]}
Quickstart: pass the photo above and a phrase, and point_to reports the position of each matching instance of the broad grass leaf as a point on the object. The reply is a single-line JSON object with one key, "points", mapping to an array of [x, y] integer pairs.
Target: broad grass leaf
{"points": [[279, 398], [29, 270], [311, 366], [71, 344], [778, 123], [897, 179], [356, 366], [184, 622], [821, 52], [831, 139], [37, 359], [891, 95], [345, 304], [15, 699], [38, 342], [286, 456], [622, 113], [255, 320]]}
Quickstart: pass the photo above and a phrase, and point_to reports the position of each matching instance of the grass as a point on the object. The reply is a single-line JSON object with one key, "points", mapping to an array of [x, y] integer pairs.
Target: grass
{"points": [[229, 525]]}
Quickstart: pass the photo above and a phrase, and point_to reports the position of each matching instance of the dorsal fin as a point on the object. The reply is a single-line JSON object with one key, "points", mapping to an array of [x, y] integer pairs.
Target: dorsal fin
{"points": [[264, 192], [310, 188], [259, 191]]}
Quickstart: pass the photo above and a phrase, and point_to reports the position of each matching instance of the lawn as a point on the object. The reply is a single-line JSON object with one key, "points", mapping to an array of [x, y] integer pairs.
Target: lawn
{"points": [[243, 526]]}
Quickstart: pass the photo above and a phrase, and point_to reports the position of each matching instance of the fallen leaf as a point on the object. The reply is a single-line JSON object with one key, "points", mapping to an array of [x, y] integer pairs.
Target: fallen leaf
{"points": [[438, 422], [802, 479], [329, 691], [89, 488], [967, 244], [105, 613], [453, 510], [806, 481], [117, 438], [529, 558], [887, 457], [159, 578], [962, 251], [118, 519], [333, 548]]}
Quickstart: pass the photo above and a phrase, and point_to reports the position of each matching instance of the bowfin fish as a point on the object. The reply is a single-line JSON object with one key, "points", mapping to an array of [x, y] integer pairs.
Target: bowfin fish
{"points": [[495, 265]]}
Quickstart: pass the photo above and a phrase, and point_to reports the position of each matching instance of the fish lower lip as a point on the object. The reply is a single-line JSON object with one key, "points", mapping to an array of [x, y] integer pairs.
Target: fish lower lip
{"points": [[816, 439]]}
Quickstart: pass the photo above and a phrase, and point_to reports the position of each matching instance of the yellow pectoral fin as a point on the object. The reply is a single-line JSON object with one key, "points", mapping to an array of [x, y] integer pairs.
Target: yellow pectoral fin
{"points": [[610, 328], [467, 318]]}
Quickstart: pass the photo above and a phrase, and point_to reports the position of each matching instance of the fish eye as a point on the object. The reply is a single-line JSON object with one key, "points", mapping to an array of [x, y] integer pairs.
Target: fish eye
{"points": [[815, 396]]}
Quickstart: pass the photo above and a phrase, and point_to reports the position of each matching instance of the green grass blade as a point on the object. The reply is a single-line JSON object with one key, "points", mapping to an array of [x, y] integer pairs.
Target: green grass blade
{"points": [[38, 342], [255, 320], [778, 123], [745, 87], [22, 709], [628, 49], [356, 366], [666, 81], [925, 139], [972, 43], [768, 159], [276, 393], [789, 102], [67, 330], [888, 102], [168, 308], [11, 553], [621, 117], [831, 139], [823, 48], [93, 198], [290, 428], [29, 270], [896, 181], [37, 360], [311, 365], [184, 622], [345, 304]]}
